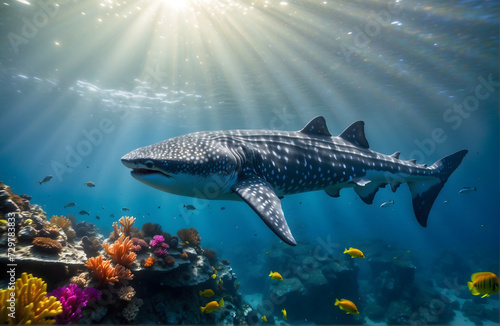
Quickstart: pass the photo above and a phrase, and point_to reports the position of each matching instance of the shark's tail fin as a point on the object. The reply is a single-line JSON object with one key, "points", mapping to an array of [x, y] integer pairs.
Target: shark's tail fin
{"points": [[424, 193]]}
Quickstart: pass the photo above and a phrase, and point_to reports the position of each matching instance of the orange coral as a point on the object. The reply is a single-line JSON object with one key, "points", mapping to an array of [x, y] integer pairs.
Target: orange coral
{"points": [[116, 231], [120, 251], [126, 222], [189, 236], [105, 273], [61, 221], [150, 262]]}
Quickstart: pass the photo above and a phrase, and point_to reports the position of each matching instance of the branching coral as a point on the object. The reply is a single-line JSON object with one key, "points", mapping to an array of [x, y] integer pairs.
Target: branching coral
{"points": [[47, 245], [189, 236], [105, 273], [30, 304], [120, 251], [126, 222], [73, 300], [61, 221], [116, 231]]}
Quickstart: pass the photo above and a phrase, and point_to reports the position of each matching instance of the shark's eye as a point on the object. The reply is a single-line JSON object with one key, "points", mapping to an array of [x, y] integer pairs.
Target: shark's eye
{"points": [[149, 164]]}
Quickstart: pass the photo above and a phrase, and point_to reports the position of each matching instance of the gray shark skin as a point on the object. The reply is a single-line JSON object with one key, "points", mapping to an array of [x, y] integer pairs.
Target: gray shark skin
{"points": [[261, 166]]}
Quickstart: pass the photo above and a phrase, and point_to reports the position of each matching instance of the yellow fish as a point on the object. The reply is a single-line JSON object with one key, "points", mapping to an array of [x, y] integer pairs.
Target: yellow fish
{"points": [[213, 276], [212, 306], [264, 318], [485, 283], [276, 276], [207, 293], [354, 253], [284, 313], [346, 305]]}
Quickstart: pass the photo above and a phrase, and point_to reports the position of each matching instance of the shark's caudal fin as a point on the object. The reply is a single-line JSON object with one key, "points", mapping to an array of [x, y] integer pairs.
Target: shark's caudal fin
{"points": [[425, 193]]}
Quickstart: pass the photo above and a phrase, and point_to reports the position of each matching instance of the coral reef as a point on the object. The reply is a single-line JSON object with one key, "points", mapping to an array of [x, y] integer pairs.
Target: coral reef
{"points": [[86, 229], [120, 251], [91, 246], [130, 312], [190, 236], [47, 245], [31, 305], [73, 300]]}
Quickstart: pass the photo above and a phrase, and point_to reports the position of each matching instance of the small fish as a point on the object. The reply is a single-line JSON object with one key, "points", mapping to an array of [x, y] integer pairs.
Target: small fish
{"points": [[102, 207], [46, 179], [112, 215], [264, 318], [207, 293], [212, 306], [387, 204], [89, 184], [354, 253], [189, 207], [82, 212], [276, 276], [223, 208], [466, 190], [70, 204], [97, 217], [446, 202], [159, 207], [213, 276], [267, 252], [485, 283], [408, 251], [284, 313], [125, 209], [348, 306]]}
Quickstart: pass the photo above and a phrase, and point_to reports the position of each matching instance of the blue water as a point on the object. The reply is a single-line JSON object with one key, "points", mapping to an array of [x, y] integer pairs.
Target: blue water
{"points": [[84, 83]]}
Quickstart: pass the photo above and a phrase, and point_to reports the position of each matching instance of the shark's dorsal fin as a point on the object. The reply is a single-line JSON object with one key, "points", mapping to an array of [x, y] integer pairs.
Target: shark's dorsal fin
{"points": [[260, 196], [316, 126], [355, 134], [396, 155]]}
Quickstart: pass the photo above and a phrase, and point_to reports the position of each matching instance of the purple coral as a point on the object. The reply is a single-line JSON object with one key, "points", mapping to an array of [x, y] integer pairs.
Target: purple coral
{"points": [[73, 299], [159, 246]]}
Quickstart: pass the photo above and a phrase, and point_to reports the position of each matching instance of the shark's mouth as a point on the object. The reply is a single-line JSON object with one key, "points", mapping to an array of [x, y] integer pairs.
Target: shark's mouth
{"points": [[146, 172]]}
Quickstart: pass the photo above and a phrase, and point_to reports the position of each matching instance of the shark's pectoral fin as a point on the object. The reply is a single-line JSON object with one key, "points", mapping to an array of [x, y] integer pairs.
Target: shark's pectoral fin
{"points": [[260, 196]]}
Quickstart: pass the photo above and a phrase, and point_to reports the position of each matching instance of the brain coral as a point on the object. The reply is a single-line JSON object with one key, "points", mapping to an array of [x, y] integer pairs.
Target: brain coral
{"points": [[47, 245], [31, 305]]}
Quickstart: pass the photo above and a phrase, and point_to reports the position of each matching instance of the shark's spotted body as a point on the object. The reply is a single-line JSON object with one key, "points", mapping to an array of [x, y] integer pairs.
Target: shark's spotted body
{"points": [[262, 166]]}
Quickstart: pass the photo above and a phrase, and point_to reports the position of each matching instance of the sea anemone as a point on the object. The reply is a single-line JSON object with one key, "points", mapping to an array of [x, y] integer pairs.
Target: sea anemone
{"points": [[47, 245]]}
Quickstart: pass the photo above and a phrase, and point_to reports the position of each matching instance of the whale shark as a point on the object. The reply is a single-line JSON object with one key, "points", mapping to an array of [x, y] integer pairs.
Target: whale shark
{"points": [[260, 167]]}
